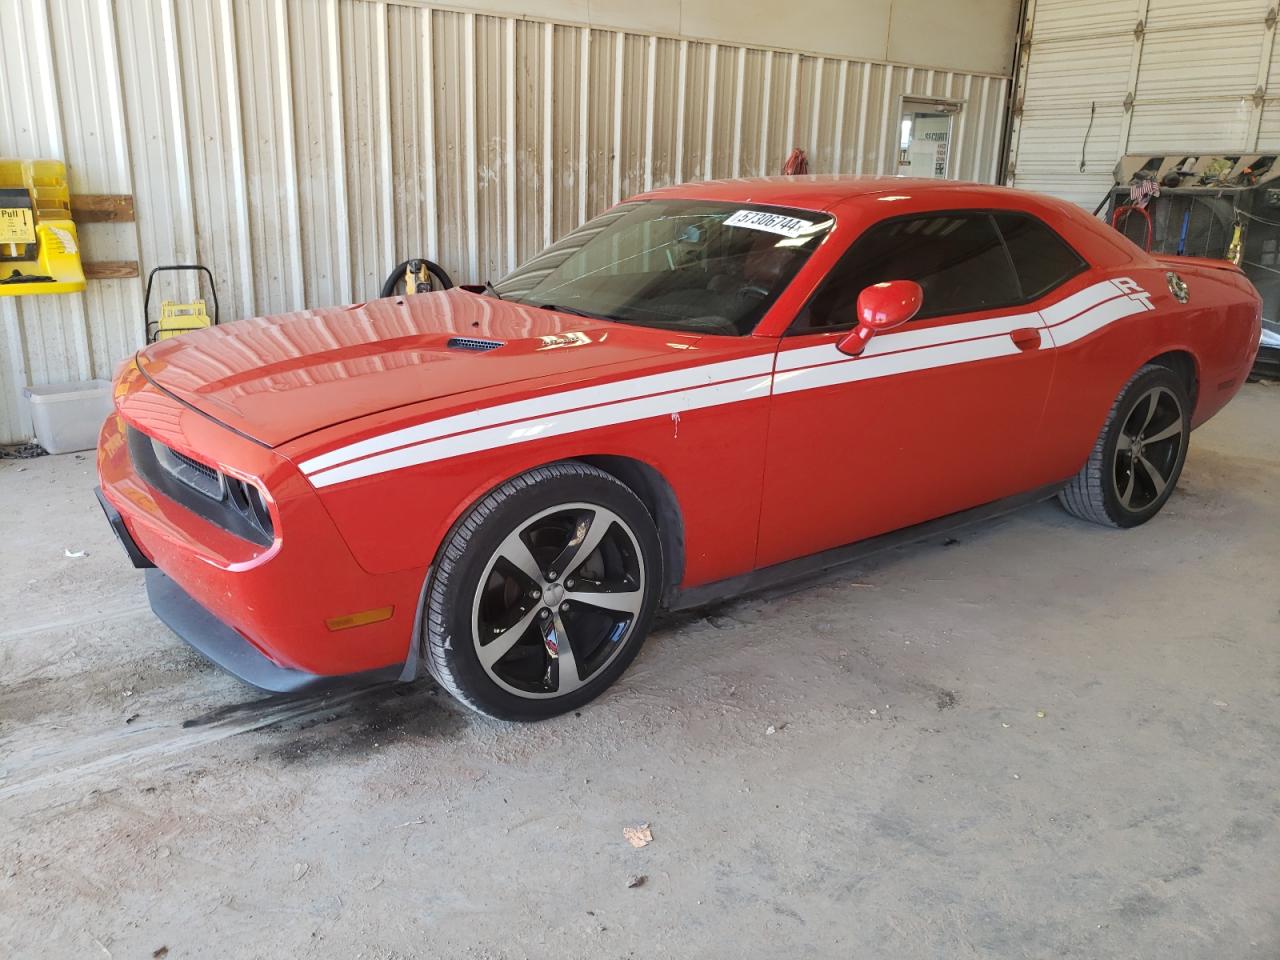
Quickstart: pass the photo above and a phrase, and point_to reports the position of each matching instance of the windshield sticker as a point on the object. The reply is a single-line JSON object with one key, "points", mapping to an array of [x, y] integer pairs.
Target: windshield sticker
{"points": [[777, 223]]}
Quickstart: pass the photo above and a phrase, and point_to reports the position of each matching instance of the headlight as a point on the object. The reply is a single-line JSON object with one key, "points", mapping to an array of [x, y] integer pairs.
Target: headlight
{"points": [[259, 505], [237, 506], [251, 503]]}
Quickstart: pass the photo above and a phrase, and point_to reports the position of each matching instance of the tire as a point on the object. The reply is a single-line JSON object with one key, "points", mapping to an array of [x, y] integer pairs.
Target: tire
{"points": [[564, 559], [1136, 462]]}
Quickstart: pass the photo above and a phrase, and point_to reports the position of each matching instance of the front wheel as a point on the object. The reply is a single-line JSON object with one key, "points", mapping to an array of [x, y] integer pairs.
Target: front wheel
{"points": [[543, 593], [1138, 458]]}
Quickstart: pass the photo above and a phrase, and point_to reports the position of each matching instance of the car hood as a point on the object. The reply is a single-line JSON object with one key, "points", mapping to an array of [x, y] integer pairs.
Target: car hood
{"points": [[278, 378]]}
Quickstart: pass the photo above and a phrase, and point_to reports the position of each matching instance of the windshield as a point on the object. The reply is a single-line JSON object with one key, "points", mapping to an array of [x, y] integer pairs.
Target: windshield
{"points": [[689, 265]]}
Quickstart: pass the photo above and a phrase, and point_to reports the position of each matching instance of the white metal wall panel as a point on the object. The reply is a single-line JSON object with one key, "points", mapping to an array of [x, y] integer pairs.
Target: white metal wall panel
{"points": [[531, 135], [56, 339], [315, 67], [1059, 19], [1160, 75], [300, 147], [1206, 62], [1210, 126], [1077, 71], [156, 122], [96, 149], [495, 175], [453, 89], [1269, 122], [266, 94], [64, 56], [215, 151], [366, 147], [1071, 114], [1165, 14]]}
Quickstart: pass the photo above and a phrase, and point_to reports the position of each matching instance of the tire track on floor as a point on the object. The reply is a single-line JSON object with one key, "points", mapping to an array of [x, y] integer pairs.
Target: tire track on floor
{"points": [[163, 740]]}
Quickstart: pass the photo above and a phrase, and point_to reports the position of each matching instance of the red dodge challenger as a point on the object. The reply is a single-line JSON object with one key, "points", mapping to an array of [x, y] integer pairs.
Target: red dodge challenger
{"points": [[706, 389]]}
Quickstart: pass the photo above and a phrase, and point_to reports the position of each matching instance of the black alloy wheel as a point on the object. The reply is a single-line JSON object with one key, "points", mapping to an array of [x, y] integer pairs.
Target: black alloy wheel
{"points": [[1149, 449], [1138, 457], [557, 599], [543, 593]]}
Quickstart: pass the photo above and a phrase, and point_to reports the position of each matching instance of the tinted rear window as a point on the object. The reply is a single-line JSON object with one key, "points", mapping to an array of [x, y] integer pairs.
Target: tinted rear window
{"points": [[1041, 258]]}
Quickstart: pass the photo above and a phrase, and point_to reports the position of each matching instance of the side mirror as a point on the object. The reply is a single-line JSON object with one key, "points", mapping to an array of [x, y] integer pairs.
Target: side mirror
{"points": [[882, 306]]}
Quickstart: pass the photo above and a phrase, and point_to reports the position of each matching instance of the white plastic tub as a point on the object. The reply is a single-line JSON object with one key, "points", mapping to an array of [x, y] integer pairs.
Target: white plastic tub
{"points": [[68, 416]]}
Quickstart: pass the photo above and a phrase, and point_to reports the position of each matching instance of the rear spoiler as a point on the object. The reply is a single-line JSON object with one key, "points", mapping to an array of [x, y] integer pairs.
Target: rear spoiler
{"points": [[1173, 261]]}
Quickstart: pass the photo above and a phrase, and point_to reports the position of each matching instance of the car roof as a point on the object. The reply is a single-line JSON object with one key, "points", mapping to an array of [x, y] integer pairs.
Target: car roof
{"points": [[820, 191]]}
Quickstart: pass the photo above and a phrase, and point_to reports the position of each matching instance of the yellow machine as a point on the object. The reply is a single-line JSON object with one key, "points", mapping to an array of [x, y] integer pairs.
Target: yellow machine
{"points": [[39, 249], [176, 318]]}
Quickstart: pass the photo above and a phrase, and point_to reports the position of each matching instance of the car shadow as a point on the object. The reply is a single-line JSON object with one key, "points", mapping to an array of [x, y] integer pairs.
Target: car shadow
{"points": [[341, 723]]}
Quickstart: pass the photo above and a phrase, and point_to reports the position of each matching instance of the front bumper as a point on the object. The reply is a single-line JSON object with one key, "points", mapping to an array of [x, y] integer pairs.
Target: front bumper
{"points": [[208, 635], [136, 556], [259, 611], [179, 611]]}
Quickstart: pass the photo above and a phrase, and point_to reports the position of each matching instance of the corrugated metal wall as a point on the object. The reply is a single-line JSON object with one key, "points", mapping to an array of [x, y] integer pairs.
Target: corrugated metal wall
{"points": [[1103, 78], [301, 147]]}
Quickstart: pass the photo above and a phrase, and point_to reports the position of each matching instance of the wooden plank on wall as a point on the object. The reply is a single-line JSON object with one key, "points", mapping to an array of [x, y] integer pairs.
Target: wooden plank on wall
{"points": [[110, 269], [102, 208]]}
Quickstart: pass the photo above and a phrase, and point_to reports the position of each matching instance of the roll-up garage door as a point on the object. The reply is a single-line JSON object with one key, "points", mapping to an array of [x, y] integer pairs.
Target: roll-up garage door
{"points": [[1101, 79]]}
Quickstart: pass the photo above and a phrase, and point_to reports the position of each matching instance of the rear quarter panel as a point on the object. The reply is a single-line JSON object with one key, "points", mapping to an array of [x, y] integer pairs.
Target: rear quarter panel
{"points": [[1223, 323], [1215, 328]]}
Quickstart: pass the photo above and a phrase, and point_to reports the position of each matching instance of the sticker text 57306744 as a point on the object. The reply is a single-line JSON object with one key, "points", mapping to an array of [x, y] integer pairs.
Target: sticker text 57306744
{"points": [[777, 223]]}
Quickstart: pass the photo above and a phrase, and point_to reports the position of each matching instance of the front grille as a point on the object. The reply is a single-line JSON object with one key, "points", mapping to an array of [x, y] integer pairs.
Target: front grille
{"points": [[195, 465], [200, 477], [472, 343], [235, 505]]}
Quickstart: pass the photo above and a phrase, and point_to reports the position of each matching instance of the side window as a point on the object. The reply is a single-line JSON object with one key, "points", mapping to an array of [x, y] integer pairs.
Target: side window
{"points": [[1040, 257], [958, 259]]}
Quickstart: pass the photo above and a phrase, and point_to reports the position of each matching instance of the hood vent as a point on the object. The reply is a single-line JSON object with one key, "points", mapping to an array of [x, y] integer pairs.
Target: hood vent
{"points": [[472, 343]]}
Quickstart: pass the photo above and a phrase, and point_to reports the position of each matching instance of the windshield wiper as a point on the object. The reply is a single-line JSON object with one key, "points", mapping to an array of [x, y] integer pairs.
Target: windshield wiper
{"points": [[490, 288], [560, 308]]}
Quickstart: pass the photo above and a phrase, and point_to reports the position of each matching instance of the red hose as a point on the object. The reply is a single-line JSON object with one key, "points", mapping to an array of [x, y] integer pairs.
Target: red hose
{"points": [[797, 163], [1127, 209]]}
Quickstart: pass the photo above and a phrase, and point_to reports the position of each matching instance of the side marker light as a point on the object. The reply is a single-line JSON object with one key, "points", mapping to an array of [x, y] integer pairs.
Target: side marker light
{"points": [[360, 619]]}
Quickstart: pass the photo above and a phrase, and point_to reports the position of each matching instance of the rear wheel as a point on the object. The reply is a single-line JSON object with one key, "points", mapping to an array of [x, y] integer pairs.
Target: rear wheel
{"points": [[543, 593], [1138, 458]]}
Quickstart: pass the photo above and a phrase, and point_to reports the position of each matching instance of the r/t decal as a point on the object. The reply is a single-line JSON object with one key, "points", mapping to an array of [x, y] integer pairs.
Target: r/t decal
{"points": [[1134, 290]]}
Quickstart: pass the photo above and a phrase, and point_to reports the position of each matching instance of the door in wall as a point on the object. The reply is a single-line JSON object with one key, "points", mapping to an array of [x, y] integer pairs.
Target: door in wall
{"points": [[924, 147]]}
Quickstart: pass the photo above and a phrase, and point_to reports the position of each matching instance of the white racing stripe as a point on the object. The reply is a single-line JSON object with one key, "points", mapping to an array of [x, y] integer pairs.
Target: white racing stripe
{"points": [[554, 425], [684, 378], [731, 381], [1095, 319], [888, 343], [1079, 302], [894, 341], [870, 368]]}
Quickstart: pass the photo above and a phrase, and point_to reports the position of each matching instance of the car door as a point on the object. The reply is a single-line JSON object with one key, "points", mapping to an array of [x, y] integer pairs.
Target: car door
{"points": [[932, 418]]}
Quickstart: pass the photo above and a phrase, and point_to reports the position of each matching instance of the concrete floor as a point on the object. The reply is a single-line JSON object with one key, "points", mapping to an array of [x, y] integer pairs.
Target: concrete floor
{"points": [[1046, 739]]}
